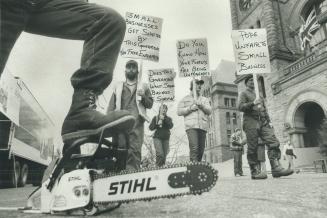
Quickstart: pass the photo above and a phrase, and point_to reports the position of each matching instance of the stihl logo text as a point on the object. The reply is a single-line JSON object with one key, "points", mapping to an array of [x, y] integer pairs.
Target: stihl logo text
{"points": [[129, 186]]}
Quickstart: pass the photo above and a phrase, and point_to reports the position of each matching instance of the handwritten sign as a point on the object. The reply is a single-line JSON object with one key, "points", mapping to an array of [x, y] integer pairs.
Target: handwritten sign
{"points": [[251, 51], [192, 57], [142, 37], [162, 85]]}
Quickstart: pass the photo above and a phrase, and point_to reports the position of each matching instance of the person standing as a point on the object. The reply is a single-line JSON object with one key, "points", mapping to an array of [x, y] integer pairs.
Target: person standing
{"points": [[256, 123], [102, 29], [237, 143], [134, 97], [195, 111], [288, 153], [162, 125]]}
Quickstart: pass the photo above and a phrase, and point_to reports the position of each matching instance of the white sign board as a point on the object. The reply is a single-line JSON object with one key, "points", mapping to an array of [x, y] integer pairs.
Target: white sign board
{"points": [[193, 58], [251, 51], [162, 85], [9, 96], [142, 37]]}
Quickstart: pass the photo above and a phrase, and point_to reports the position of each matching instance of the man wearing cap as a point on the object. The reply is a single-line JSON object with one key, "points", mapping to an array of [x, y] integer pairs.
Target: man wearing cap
{"points": [[195, 110], [134, 97], [257, 125]]}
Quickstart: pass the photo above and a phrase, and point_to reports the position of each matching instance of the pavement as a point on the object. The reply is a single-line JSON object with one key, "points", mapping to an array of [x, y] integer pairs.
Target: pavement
{"points": [[299, 195]]}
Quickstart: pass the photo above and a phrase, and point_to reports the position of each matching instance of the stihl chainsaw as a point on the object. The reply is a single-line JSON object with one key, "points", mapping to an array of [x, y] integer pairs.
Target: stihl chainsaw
{"points": [[91, 184]]}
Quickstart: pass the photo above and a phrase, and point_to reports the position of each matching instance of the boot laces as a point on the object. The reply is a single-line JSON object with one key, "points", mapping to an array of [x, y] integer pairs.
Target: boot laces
{"points": [[93, 100]]}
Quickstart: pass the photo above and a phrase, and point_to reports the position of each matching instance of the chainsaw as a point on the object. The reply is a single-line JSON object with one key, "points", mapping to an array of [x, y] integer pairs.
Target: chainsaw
{"points": [[80, 184]]}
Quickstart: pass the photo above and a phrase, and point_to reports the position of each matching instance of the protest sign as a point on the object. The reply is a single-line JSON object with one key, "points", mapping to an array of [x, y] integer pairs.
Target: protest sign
{"points": [[251, 51], [142, 37], [193, 58], [162, 85]]}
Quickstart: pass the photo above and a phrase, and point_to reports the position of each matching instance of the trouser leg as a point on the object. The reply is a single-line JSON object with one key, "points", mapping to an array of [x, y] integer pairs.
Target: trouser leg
{"points": [[193, 141], [274, 154], [102, 29], [268, 136], [134, 155], [252, 135], [202, 141], [165, 146], [239, 164], [235, 162], [158, 145]]}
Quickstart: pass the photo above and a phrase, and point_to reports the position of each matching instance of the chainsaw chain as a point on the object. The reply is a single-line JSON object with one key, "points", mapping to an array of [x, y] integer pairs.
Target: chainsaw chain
{"points": [[124, 172]]}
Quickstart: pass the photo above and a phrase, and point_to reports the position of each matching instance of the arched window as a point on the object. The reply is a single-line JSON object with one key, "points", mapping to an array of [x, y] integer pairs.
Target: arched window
{"points": [[258, 24], [313, 31]]}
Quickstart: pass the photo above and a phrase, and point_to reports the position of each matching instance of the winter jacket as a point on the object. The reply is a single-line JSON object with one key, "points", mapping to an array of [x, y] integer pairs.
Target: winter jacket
{"points": [[194, 119], [162, 132], [237, 142], [246, 105]]}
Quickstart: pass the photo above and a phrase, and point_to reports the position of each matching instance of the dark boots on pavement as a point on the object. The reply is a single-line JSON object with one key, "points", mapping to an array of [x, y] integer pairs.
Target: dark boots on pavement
{"points": [[84, 120], [257, 173], [277, 170]]}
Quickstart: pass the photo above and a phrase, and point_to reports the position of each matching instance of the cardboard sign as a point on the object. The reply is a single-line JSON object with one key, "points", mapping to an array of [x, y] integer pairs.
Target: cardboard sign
{"points": [[142, 37], [162, 85], [9, 96], [251, 51], [193, 58]]}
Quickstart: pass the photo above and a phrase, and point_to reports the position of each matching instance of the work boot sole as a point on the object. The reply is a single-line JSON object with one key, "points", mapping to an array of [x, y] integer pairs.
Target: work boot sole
{"points": [[122, 124], [259, 178], [277, 176]]}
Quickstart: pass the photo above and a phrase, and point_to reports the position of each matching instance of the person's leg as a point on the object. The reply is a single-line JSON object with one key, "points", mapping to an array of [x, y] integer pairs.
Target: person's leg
{"points": [[239, 163], [202, 141], [262, 158], [274, 154], [134, 156], [235, 163], [193, 143], [158, 145], [102, 30], [290, 162], [13, 16], [251, 130], [165, 146]]}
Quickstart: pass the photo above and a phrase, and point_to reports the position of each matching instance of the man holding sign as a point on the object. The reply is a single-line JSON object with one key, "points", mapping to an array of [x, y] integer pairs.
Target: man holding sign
{"points": [[195, 110], [252, 58], [134, 97], [256, 124]]}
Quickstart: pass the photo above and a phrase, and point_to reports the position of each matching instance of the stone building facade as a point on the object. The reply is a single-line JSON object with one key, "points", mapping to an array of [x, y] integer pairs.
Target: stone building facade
{"points": [[296, 90], [222, 92]]}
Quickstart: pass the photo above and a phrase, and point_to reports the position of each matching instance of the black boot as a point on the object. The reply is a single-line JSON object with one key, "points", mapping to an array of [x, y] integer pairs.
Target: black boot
{"points": [[83, 119], [277, 170], [255, 172]]}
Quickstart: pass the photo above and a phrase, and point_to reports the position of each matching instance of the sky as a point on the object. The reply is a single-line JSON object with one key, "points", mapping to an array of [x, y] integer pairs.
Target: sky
{"points": [[46, 64]]}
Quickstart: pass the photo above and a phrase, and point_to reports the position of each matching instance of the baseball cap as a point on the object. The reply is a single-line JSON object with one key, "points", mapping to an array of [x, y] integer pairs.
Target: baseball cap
{"points": [[131, 63]]}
